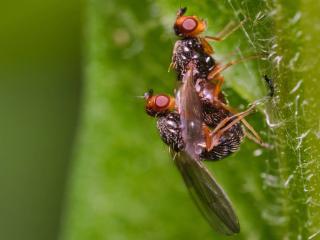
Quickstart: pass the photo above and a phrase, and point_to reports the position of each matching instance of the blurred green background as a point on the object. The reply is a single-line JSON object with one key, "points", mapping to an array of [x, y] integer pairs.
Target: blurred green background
{"points": [[40, 72], [81, 160]]}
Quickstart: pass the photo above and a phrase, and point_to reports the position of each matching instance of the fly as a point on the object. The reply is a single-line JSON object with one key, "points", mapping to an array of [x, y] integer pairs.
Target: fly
{"points": [[198, 124]]}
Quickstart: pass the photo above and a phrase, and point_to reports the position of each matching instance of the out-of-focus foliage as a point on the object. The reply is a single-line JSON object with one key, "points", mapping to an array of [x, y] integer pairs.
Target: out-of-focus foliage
{"points": [[40, 73], [123, 183]]}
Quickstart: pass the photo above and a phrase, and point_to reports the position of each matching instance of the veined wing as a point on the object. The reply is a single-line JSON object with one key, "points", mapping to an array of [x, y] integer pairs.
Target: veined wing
{"points": [[190, 113], [207, 194]]}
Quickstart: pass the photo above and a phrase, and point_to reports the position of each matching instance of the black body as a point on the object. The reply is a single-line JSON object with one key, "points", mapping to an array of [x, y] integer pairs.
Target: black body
{"points": [[169, 128], [230, 141], [168, 125], [191, 49]]}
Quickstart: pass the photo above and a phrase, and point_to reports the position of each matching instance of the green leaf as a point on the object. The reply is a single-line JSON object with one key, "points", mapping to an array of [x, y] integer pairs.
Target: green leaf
{"points": [[123, 184]]}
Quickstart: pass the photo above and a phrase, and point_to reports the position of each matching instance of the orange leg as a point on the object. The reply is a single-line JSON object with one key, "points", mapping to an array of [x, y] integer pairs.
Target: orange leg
{"points": [[219, 80], [218, 69], [215, 74], [230, 28], [212, 138], [207, 136], [257, 141], [255, 135], [226, 31]]}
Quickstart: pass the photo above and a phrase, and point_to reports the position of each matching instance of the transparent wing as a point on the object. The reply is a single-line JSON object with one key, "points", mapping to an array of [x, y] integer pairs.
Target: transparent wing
{"points": [[207, 194], [190, 114]]}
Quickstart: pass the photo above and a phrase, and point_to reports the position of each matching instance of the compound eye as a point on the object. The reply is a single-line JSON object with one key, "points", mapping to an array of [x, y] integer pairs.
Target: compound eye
{"points": [[189, 24], [162, 101]]}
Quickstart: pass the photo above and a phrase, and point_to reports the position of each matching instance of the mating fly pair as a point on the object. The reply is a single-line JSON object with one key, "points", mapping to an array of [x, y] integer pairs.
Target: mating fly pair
{"points": [[197, 124]]}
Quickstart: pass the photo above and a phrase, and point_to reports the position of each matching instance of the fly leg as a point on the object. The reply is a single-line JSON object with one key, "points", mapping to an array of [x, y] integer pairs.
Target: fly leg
{"points": [[250, 133], [257, 140], [172, 65], [230, 28], [173, 61], [216, 77], [212, 138], [222, 35]]}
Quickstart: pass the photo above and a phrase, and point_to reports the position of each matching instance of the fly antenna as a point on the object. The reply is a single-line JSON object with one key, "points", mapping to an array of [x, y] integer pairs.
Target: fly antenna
{"points": [[146, 95], [140, 97]]}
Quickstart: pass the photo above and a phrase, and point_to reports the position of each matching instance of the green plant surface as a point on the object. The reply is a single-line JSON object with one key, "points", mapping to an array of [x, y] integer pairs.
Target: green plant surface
{"points": [[123, 183], [297, 113]]}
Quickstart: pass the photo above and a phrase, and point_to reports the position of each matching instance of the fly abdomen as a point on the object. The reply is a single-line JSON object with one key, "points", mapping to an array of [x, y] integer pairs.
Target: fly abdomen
{"points": [[229, 143], [170, 130], [190, 49]]}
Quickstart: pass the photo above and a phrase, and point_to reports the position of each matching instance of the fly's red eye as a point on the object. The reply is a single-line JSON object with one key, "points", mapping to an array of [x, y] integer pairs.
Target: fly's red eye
{"points": [[189, 24], [162, 101]]}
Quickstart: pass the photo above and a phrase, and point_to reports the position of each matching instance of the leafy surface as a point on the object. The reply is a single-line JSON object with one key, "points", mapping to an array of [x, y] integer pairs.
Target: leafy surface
{"points": [[124, 184]]}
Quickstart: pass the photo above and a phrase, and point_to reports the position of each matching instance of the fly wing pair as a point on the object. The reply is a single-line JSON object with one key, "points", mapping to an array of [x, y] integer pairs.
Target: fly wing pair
{"points": [[205, 191]]}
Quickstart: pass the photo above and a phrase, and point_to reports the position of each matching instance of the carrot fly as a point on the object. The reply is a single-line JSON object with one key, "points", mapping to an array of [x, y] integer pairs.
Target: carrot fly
{"points": [[182, 125], [197, 124], [210, 198]]}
